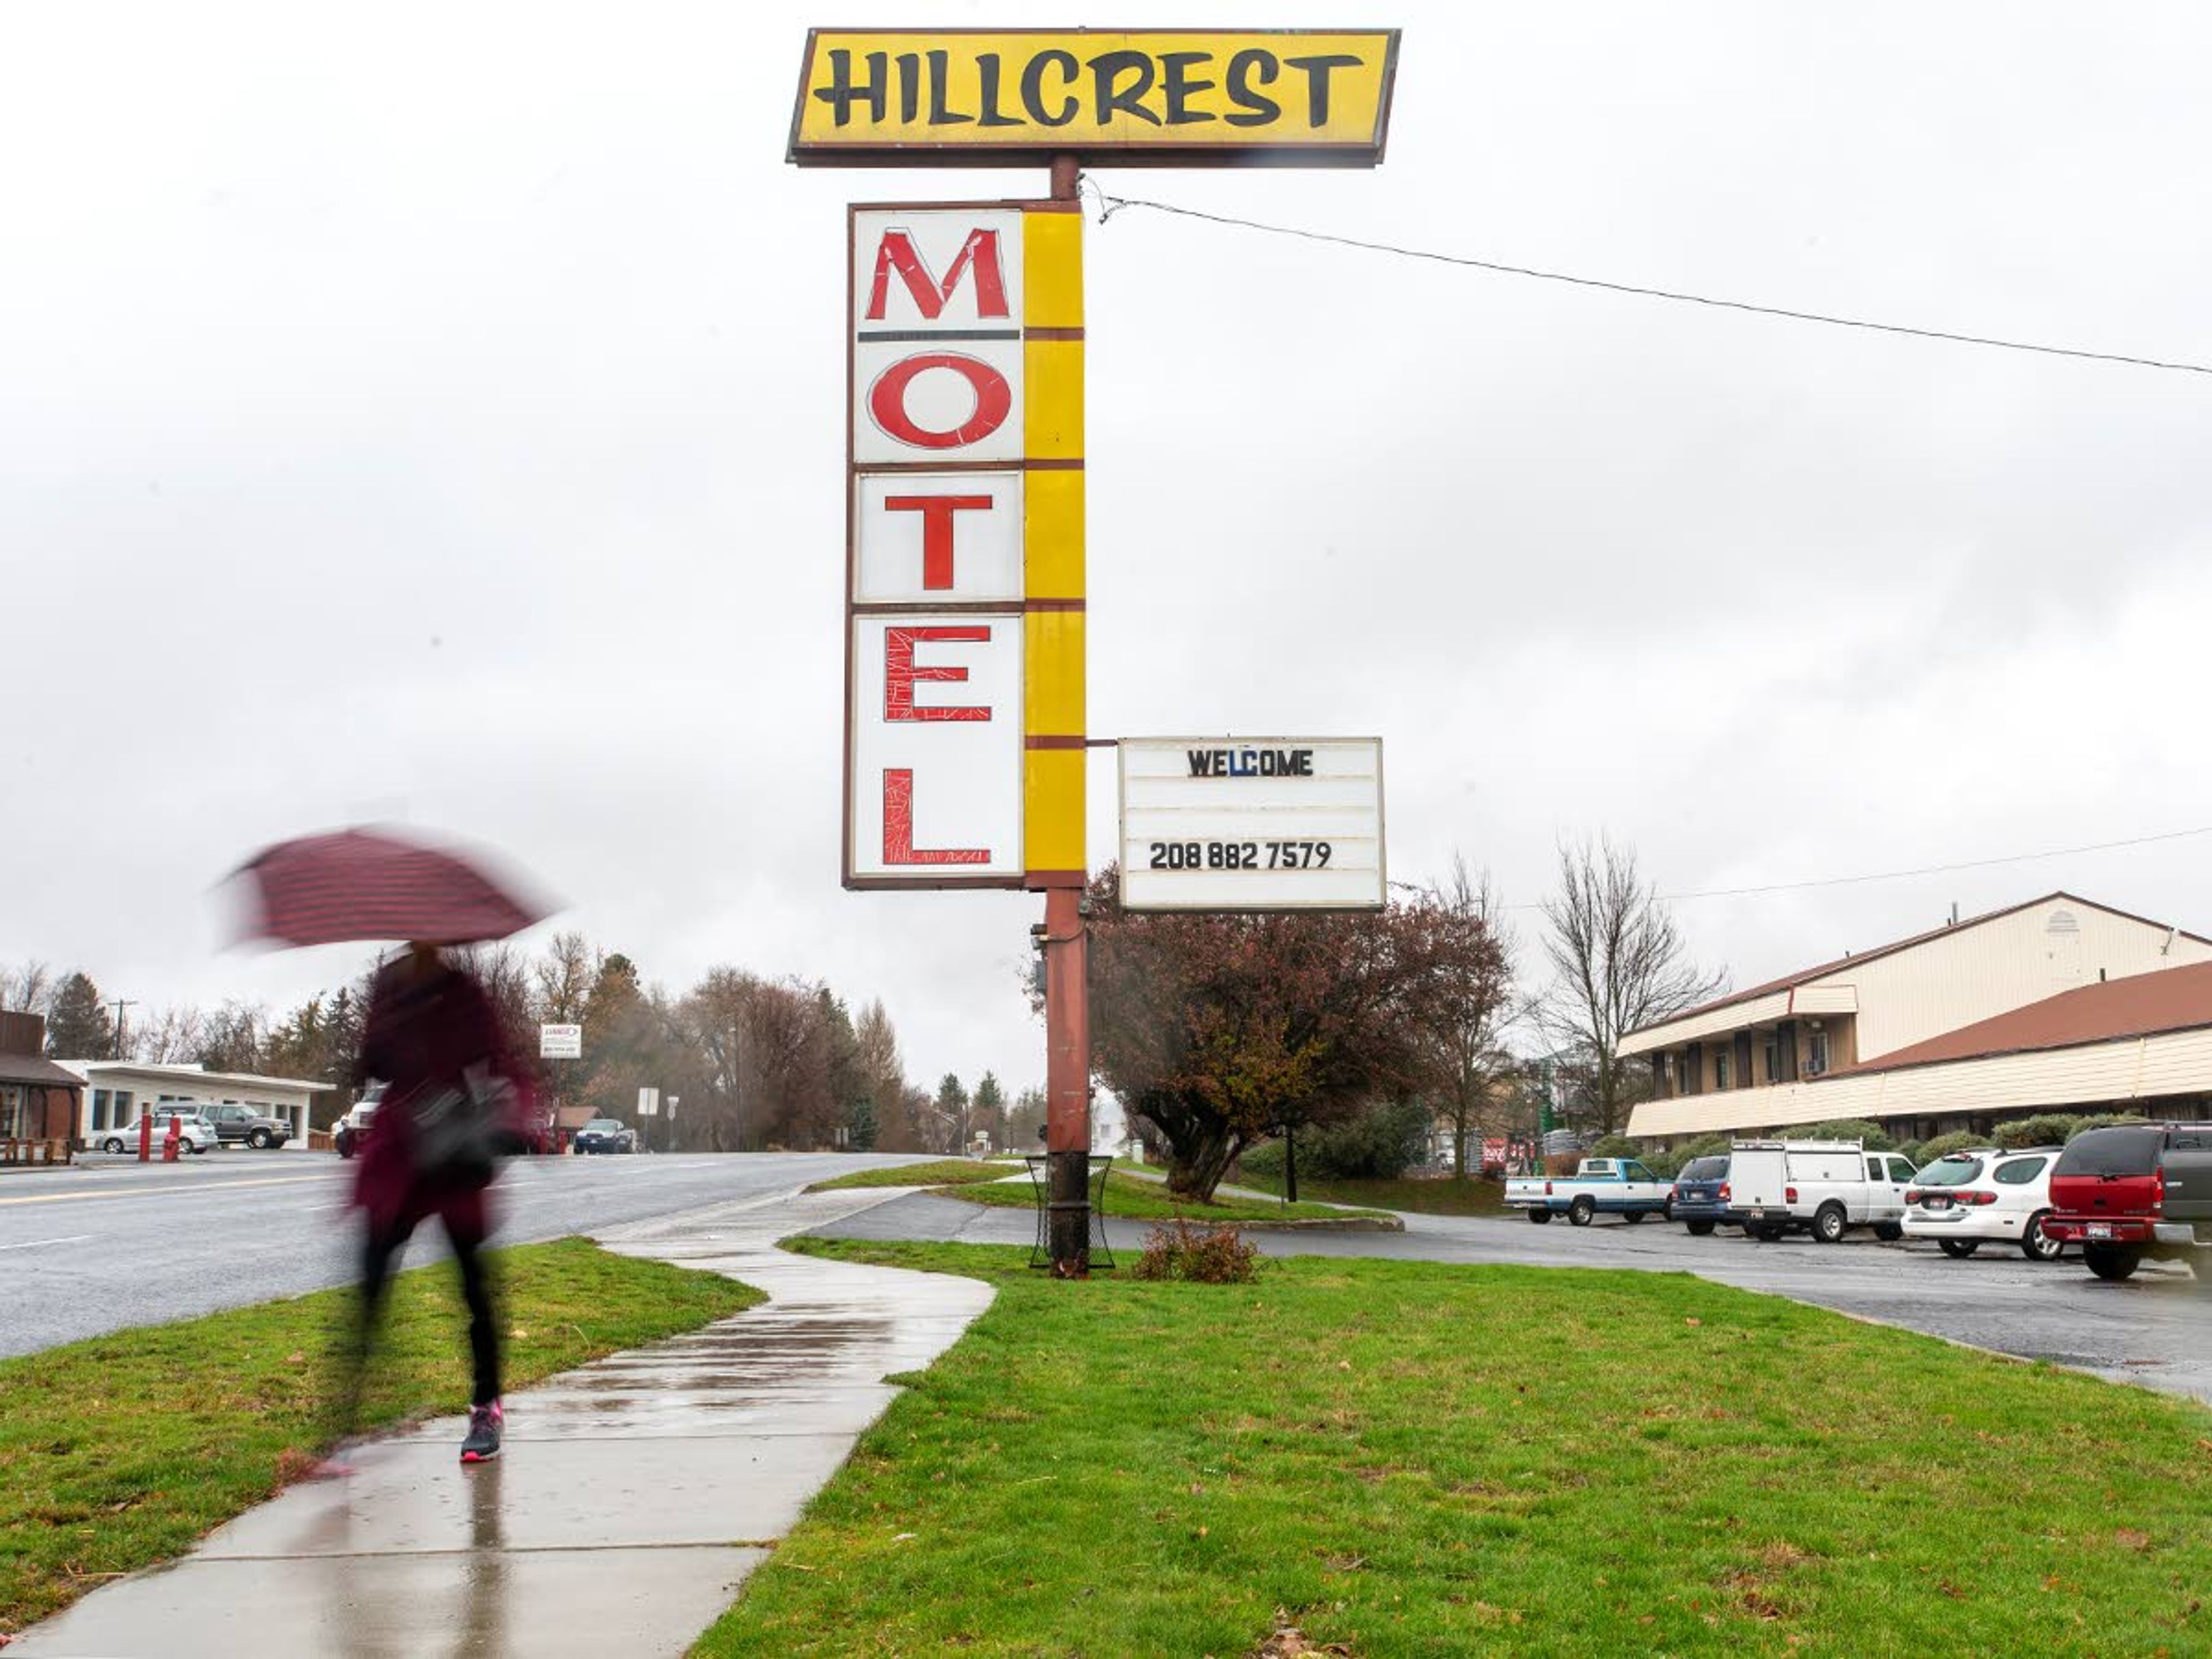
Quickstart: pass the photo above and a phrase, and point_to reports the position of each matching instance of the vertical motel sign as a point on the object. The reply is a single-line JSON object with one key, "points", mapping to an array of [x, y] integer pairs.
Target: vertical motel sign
{"points": [[964, 651], [964, 681]]}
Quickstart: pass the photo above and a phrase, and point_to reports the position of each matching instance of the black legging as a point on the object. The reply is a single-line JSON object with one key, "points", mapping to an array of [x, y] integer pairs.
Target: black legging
{"points": [[476, 1290]]}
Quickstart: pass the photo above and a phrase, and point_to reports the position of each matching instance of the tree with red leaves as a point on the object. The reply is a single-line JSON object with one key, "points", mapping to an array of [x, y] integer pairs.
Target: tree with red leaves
{"points": [[1221, 1029]]}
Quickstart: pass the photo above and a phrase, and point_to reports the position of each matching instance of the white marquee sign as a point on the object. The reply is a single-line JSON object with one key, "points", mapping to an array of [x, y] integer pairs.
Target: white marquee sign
{"points": [[1252, 824]]}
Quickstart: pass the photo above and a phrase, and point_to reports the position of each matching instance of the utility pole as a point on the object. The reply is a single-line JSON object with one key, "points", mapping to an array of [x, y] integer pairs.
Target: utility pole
{"points": [[119, 1005]]}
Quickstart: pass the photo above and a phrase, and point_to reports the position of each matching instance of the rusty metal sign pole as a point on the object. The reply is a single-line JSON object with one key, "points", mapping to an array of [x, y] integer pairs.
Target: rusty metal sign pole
{"points": [[1067, 1027]]}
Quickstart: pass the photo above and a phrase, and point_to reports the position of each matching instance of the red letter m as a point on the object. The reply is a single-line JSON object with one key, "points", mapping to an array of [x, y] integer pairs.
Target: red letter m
{"points": [[979, 255]]}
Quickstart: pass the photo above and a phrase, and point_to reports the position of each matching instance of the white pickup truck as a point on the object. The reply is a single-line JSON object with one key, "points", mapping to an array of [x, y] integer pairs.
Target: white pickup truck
{"points": [[1615, 1186], [1819, 1187]]}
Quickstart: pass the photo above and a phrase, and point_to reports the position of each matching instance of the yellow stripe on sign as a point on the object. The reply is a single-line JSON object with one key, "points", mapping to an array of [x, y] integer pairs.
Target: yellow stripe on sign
{"points": [[1052, 393], [1052, 269], [1052, 534], [1052, 695], [1053, 809]]}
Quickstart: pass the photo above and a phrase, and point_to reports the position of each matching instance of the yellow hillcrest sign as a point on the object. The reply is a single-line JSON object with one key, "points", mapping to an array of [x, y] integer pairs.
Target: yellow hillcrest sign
{"points": [[1157, 97]]}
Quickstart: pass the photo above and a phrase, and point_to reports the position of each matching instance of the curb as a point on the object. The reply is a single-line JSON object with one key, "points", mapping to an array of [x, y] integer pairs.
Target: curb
{"points": [[1333, 1224]]}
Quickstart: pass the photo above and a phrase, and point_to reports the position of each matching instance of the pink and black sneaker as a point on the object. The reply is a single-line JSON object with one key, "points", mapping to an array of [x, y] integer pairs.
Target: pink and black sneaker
{"points": [[482, 1444]]}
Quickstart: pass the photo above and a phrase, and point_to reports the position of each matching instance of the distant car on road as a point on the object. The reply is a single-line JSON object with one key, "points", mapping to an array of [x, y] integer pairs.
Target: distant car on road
{"points": [[193, 1128], [243, 1125], [1972, 1197], [353, 1127], [606, 1135]]}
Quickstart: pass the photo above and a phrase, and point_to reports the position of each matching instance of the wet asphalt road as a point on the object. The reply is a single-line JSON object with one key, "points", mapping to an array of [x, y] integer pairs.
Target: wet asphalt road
{"points": [[2155, 1328], [110, 1243]]}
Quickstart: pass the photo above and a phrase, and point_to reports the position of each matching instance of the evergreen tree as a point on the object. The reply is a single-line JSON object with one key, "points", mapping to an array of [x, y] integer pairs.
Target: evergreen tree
{"points": [[77, 1025], [952, 1103], [990, 1110]]}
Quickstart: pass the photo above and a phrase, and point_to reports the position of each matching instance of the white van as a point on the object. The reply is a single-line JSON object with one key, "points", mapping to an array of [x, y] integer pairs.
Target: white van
{"points": [[1819, 1187]]}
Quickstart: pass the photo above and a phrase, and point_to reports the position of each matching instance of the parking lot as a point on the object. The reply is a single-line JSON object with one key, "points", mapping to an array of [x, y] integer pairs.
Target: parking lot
{"points": [[2155, 1328]]}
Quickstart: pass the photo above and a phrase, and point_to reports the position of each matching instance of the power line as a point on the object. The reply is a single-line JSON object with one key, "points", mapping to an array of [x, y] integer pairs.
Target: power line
{"points": [[1111, 205], [1923, 870]]}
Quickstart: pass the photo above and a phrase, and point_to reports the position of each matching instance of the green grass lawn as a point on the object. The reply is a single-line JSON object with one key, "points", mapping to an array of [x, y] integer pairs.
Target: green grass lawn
{"points": [[945, 1172], [1443, 1197], [1133, 1196], [1423, 1460], [124, 1450]]}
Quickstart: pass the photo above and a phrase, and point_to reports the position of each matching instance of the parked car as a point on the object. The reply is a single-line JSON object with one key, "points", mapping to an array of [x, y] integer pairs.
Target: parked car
{"points": [[1822, 1188], [194, 1129], [2132, 1191], [1974, 1197], [1617, 1186], [1700, 1198], [245, 1126], [606, 1135], [353, 1127]]}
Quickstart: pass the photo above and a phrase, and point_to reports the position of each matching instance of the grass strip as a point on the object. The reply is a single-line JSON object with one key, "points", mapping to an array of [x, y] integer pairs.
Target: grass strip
{"points": [[1419, 1459], [1138, 1199], [1442, 1196], [124, 1450], [945, 1172]]}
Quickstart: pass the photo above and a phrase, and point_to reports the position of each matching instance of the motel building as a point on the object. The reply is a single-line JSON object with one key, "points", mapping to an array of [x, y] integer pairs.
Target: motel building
{"points": [[2060, 1004], [117, 1091]]}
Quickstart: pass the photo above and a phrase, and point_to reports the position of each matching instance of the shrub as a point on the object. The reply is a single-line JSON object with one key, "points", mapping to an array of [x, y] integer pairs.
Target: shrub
{"points": [[1958, 1140], [1265, 1160], [2045, 1129], [2106, 1121], [1197, 1256], [1613, 1147], [1378, 1143], [1915, 1152], [1705, 1147], [1877, 1139]]}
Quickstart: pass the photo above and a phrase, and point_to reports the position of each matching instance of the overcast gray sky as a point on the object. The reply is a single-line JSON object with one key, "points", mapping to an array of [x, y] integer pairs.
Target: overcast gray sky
{"points": [[436, 411]]}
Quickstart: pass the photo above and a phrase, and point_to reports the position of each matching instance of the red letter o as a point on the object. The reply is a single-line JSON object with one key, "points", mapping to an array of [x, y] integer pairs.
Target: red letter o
{"points": [[994, 400]]}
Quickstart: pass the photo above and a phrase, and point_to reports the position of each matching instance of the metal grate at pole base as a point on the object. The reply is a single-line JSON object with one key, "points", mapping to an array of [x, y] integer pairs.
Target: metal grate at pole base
{"points": [[1101, 1255]]}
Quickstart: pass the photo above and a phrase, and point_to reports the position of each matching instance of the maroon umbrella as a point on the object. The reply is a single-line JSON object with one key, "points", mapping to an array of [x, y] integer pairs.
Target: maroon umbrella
{"points": [[373, 884]]}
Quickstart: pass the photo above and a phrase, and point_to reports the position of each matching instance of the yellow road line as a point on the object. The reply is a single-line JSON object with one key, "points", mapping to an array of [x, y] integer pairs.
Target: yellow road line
{"points": [[216, 1186]]}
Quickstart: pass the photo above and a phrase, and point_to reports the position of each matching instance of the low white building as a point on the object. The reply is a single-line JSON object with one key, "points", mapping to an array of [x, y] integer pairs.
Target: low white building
{"points": [[117, 1091], [2058, 1004]]}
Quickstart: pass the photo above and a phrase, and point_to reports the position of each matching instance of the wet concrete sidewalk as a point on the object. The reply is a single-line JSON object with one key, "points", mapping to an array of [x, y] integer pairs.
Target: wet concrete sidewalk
{"points": [[631, 1499]]}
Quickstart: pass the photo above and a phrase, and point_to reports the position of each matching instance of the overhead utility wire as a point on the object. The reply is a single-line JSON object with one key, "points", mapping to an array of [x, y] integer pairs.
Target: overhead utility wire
{"points": [[1924, 870], [1111, 205]]}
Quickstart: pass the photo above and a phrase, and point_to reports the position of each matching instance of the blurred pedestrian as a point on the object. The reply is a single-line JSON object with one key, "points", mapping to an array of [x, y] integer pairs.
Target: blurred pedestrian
{"points": [[455, 1095]]}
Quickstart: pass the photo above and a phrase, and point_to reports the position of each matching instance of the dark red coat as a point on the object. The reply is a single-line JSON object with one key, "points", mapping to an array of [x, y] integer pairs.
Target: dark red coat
{"points": [[421, 1037]]}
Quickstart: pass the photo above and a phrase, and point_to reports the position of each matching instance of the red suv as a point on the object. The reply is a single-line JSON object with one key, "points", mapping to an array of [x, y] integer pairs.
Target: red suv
{"points": [[2134, 1190]]}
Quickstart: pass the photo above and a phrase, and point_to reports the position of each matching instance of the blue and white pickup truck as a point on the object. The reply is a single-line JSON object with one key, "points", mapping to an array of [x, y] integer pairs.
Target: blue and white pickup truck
{"points": [[1611, 1186]]}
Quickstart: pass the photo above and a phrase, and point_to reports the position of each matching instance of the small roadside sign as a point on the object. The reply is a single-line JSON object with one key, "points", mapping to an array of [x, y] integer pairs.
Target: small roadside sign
{"points": [[560, 1042], [648, 1103]]}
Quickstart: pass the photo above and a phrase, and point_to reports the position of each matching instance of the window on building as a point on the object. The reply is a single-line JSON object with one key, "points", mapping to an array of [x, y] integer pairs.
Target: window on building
{"points": [[1721, 1068], [99, 1110], [1773, 1059], [1817, 1059], [122, 1107]]}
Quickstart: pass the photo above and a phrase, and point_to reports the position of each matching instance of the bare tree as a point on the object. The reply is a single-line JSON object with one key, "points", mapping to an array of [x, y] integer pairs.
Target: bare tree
{"points": [[1467, 1012], [563, 978], [27, 987], [167, 1036], [1621, 964]]}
